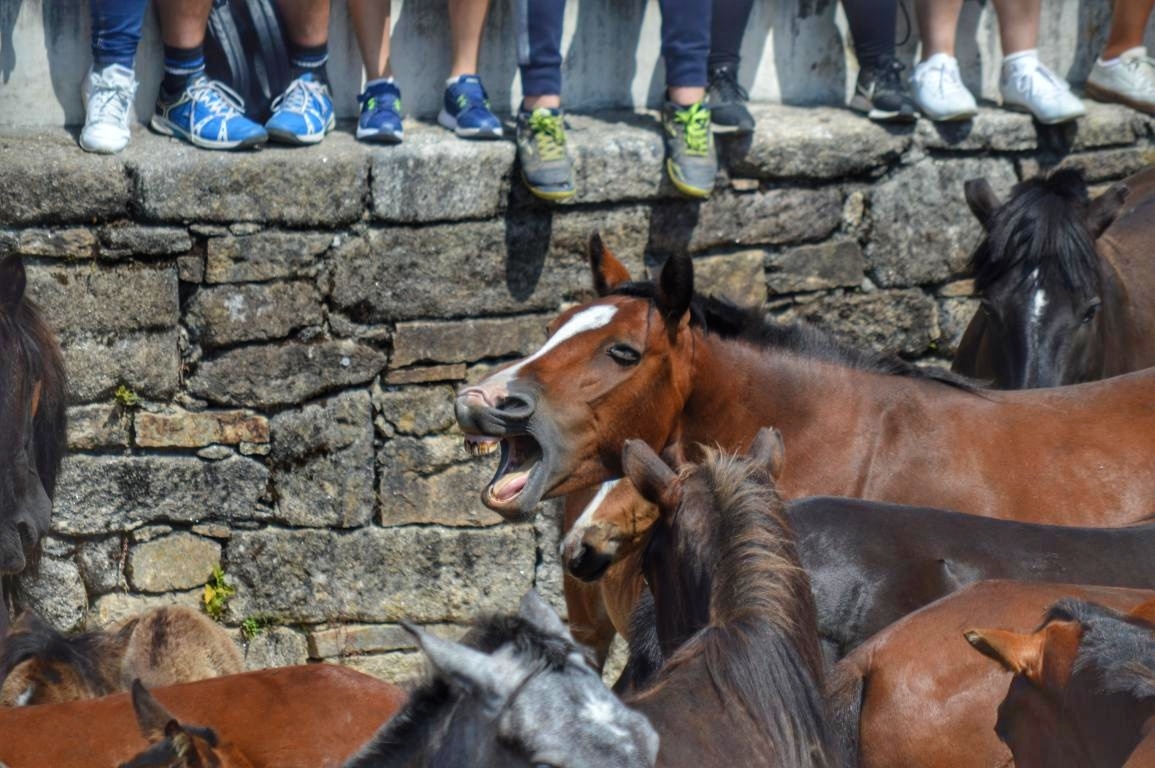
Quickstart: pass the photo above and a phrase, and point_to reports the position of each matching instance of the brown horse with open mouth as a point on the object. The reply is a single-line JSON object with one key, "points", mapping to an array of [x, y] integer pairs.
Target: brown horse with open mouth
{"points": [[641, 362]]}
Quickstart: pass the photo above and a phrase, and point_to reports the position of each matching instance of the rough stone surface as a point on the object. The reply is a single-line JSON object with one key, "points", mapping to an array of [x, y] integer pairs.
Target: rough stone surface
{"points": [[299, 186], [276, 647], [128, 241], [105, 494], [55, 591], [396, 667], [371, 638], [424, 374], [601, 150], [106, 299], [264, 256], [177, 428], [74, 243], [427, 490], [147, 363], [41, 180], [381, 575], [284, 374], [923, 230], [103, 425], [1107, 165], [118, 606], [834, 264], [101, 563], [323, 463], [738, 276], [415, 411], [179, 561], [954, 316], [461, 340], [997, 129], [900, 321], [230, 314]]}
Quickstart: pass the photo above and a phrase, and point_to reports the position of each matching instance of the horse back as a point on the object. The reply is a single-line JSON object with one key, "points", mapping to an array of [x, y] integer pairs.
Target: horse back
{"points": [[1128, 249]]}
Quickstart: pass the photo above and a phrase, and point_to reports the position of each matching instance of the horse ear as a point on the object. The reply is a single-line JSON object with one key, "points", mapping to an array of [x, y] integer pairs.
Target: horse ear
{"points": [[676, 288], [982, 199], [537, 611], [1019, 654], [1105, 208], [769, 450], [154, 720], [13, 281], [652, 477], [608, 271], [464, 668]]}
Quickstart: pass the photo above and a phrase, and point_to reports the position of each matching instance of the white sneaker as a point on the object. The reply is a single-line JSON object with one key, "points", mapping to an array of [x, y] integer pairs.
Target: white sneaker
{"points": [[1027, 85], [938, 89], [108, 96], [1131, 81]]}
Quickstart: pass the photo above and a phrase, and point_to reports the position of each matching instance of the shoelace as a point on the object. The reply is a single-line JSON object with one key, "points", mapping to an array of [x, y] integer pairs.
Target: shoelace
{"points": [[948, 78], [696, 121], [725, 82], [548, 133], [216, 97], [1143, 66], [297, 97], [110, 103], [888, 75], [1027, 79]]}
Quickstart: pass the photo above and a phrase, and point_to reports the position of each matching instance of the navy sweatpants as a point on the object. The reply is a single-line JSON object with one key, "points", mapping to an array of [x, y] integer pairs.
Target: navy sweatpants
{"points": [[685, 43], [116, 26]]}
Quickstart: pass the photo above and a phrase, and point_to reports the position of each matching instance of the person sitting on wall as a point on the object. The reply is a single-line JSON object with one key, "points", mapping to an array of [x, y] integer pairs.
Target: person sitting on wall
{"points": [[1124, 73], [1025, 83], [691, 160], [191, 107], [465, 109]]}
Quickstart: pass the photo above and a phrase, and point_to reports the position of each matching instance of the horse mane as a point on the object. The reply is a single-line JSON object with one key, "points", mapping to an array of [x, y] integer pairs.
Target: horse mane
{"points": [[410, 730], [1044, 227], [1118, 649], [728, 320], [760, 647], [35, 639]]}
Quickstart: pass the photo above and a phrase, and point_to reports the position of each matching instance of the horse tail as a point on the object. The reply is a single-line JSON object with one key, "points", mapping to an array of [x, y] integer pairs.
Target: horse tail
{"points": [[845, 691]]}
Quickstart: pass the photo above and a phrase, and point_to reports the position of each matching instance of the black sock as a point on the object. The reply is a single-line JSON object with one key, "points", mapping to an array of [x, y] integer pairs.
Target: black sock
{"points": [[309, 58], [180, 66]]}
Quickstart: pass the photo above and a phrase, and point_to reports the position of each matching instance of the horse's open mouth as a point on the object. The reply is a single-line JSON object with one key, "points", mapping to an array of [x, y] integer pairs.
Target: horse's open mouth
{"points": [[521, 457]]}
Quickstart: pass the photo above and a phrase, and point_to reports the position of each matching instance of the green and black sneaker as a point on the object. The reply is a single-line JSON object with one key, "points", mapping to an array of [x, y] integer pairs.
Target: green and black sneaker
{"points": [[545, 166], [691, 160]]}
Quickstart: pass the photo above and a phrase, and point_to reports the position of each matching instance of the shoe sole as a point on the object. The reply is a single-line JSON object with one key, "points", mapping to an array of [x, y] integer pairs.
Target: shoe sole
{"points": [[379, 137], [858, 103], [101, 150], [164, 127], [446, 120], [1099, 93], [552, 197], [288, 137], [697, 193], [731, 130], [1055, 121]]}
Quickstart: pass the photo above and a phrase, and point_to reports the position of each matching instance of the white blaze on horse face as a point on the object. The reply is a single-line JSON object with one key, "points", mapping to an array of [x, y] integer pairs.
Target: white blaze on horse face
{"points": [[1038, 300], [603, 713], [587, 320], [583, 521]]}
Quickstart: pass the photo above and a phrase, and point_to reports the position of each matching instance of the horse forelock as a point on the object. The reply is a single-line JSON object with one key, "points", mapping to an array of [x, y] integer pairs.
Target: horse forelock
{"points": [[36, 640], [1118, 650], [1042, 230]]}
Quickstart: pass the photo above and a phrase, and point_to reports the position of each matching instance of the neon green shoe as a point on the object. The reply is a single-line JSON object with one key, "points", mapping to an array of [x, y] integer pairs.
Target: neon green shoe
{"points": [[691, 160], [541, 152]]}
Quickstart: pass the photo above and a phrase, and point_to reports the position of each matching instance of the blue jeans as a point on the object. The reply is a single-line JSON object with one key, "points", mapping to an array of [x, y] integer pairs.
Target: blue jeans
{"points": [[116, 26], [685, 43]]}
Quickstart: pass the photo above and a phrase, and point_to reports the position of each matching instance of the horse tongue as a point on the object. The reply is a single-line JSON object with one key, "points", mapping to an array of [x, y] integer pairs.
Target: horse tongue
{"points": [[509, 486]]}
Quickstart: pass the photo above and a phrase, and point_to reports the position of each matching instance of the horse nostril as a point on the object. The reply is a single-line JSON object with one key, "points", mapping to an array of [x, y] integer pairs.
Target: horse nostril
{"points": [[578, 556], [517, 406]]}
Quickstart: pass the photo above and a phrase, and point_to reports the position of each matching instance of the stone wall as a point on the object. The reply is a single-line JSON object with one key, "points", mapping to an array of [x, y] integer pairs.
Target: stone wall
{"points": [[263, 347]]}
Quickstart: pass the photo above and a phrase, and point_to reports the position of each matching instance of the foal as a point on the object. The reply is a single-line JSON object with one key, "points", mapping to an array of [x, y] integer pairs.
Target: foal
{"points": [[163, 646], [734, 616]]}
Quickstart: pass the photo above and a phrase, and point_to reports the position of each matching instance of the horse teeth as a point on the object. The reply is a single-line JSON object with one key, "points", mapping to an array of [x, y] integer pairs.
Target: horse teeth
{"points": [[480, 446]]}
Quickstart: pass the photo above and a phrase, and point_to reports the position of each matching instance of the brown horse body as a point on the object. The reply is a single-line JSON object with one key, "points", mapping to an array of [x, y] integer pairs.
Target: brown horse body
{"points": [[163, 646], [918, 694], [636, 364], [312, 716]]}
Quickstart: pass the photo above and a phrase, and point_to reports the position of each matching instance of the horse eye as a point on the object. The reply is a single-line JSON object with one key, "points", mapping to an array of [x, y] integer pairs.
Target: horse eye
{"points": [[1091, 311], [624, 355]]}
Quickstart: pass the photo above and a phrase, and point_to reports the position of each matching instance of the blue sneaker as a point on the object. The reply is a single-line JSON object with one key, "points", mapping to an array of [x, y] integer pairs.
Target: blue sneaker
{"points": [[466, 110], [303, 114], [208, 114], [380, 119]]}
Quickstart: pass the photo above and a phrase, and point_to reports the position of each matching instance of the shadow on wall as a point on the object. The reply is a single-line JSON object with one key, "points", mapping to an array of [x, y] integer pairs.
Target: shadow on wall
{"points": [[809, 52], [8, 13]]}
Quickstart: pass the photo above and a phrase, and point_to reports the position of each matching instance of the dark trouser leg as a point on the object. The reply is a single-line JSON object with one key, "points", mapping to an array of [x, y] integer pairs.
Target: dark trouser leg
{"points": [[539, 30], [116, 26], [727, 26], [872, 27]]}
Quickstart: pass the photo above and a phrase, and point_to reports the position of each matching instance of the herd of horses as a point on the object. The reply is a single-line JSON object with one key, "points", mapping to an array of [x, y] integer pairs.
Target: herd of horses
{"points": [[819, 556]]}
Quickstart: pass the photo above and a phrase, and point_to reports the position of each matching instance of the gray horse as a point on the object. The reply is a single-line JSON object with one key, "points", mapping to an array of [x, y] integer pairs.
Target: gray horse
{"points": [[517, 692]]}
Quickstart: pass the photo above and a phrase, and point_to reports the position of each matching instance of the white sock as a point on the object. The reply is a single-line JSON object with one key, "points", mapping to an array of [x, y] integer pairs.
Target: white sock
{"points": [[1021, 58], [452, 80], [1109, 63], [378, 81]]}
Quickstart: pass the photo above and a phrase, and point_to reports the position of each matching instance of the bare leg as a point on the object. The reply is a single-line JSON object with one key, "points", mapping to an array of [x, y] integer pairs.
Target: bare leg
{"points": [[686, 95], [306, 21], [1128, 22], [466, 21], [372, 25], [1018, 24], [938, 25], [183, 22]]}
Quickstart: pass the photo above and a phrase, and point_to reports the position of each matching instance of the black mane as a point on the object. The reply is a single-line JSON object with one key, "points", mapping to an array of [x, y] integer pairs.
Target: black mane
{"points": [[1043, 226], [35, 639], [1119, 649], [730, 321]]}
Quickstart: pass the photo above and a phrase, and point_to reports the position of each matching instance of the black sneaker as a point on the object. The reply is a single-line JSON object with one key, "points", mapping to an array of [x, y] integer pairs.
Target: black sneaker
{"points": [[726, 101], [881, 93]]}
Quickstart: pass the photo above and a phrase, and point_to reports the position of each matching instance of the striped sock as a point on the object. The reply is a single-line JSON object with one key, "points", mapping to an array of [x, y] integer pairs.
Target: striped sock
{"points": [[309, 58], [180, 66]]}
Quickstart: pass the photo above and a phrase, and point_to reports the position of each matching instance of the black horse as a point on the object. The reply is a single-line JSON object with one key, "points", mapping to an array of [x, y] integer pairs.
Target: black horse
{"points": [[1065, 283], [32, 424]]}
